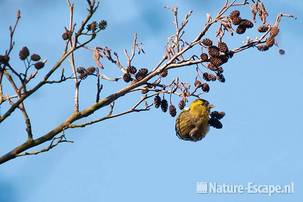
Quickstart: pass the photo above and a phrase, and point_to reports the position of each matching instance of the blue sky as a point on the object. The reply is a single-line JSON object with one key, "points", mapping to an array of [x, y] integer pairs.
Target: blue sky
{"points": [[138, 157]]}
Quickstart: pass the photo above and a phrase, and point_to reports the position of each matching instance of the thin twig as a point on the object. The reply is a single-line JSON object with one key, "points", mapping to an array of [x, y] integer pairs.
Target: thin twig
{"points": [[55, 142], [110, 114]]}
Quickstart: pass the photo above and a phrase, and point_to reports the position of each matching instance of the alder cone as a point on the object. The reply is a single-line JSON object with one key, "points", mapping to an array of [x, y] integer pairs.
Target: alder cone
{"points": [[92, 26], [207, 42], [24, 53], [102, 24], [262, 48], [204, 57], [39, 65], [35, 57], [236, 20], [221, 78], [220, 70], [240, 30], [142, 72], [205, 87], [127, 77], [212, 67], [4, 59], [91, 70], [223, 47], [214, 51], [224, 58], [172, 110], [206, 76], [215, 123], [217, 115], [164, 105], [209, 77], [157, 101], [66, 35], [216, 61], [81, 70], [246, 23], [132, 70], [164, 73], [235, 13]]}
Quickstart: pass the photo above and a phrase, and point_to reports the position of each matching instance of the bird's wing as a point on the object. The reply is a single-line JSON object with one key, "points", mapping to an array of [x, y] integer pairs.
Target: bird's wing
{"points": [[199, 132], [184, 125]]}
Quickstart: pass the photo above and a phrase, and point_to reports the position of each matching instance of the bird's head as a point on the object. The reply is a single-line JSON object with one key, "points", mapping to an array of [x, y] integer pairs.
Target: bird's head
{"points": [[200, 105]]}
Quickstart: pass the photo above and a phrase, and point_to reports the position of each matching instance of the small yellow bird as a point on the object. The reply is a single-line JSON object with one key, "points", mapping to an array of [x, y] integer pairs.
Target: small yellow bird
{"points": [[192, 124]]}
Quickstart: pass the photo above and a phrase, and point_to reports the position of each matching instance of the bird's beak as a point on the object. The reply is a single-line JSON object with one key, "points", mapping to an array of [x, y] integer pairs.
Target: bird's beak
{"points": [[210, 106]]}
